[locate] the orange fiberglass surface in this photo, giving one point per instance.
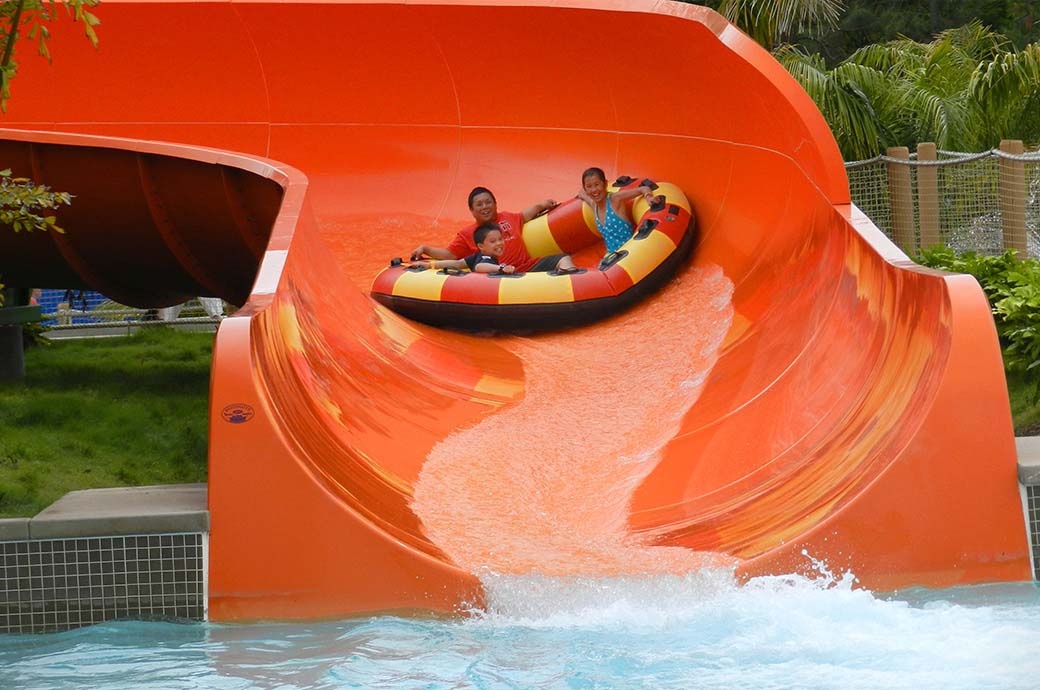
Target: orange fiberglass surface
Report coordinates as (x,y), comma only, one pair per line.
(799,392)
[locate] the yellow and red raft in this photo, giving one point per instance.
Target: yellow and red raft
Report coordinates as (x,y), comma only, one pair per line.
(663,237)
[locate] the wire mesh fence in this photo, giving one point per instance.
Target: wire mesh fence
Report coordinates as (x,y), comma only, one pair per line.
(78,309)
(985,202)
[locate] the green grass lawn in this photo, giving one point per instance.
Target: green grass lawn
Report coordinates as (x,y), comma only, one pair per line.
(127,411)
(1024,407)
(131,411)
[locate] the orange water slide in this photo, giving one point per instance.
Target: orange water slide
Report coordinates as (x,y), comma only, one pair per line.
(801,391)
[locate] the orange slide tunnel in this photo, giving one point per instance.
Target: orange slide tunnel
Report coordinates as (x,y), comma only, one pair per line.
(800,391)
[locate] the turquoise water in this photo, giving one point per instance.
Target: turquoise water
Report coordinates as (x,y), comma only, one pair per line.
(695,632)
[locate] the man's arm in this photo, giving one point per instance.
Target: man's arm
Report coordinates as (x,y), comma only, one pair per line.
(538,209)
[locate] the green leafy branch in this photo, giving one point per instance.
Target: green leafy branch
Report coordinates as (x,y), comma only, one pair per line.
(21,201)
(24,206)
(31,18)
(1012,286)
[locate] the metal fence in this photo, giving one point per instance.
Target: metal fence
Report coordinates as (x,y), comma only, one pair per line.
(76,310)
(985,202)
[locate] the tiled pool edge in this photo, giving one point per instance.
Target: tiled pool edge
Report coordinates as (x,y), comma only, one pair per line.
(1028,449)
(106,554)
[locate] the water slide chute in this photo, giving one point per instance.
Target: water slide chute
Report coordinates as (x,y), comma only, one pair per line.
(850,408)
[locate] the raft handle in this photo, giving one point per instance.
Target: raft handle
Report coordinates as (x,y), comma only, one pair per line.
(396,261)
(623,180)
(647,182)
(645,228)
(612,258)
(658,203)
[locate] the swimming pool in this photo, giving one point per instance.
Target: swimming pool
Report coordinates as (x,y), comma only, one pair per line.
(700,631)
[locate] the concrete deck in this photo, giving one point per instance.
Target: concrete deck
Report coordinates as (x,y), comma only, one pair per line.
(109,512)
(1028,448)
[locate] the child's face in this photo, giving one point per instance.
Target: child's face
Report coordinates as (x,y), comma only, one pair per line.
(493,244)
(595,188)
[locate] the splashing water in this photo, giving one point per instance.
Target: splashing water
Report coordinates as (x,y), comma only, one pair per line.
(545,486)
(684,632)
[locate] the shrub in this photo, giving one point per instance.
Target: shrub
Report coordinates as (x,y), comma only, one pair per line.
(1013,288)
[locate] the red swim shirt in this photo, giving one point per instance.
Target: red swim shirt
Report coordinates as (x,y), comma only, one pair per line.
(515,253)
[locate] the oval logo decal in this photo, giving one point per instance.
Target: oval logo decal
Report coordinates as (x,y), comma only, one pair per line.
(237,413)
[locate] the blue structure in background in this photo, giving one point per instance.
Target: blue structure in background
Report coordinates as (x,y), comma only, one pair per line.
(79,301)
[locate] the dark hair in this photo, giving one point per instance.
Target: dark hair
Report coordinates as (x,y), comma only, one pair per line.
(598,172)
(477,191)
(481,233)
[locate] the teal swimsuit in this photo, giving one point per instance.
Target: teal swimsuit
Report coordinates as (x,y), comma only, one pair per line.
(614,229)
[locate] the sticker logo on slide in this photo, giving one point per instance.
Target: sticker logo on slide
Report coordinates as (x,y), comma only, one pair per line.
(238,413)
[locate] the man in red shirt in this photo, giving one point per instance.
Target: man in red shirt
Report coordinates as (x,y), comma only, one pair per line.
(484,207)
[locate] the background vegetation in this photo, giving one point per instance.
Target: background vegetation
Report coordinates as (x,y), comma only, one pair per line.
(1012,286)
(24,205)
(129,411)
(963,75)
(30,20)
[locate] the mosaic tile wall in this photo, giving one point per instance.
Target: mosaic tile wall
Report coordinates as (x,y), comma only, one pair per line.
(1033,505)
(58,584)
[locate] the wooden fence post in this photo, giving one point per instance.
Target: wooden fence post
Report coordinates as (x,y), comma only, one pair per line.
(1013,198)
(901,199)
(928,196)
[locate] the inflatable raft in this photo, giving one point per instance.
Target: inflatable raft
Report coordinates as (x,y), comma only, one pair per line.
(663,237)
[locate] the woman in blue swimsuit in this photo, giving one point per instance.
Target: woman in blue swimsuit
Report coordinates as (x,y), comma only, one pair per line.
(613,219)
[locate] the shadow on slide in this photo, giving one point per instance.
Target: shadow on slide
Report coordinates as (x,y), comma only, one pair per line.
(799,391)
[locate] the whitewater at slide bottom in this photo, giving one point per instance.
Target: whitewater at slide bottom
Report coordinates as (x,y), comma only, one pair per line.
(800,392)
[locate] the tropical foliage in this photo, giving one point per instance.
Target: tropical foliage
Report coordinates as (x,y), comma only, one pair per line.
(960,73)
(1013,288)
(876,21)
(965,90)
(30,19)
(771,22)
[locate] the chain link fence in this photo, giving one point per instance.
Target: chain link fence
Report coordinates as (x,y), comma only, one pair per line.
(86,311)
(984,202)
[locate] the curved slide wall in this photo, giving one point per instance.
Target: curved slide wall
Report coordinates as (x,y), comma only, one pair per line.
(801,389)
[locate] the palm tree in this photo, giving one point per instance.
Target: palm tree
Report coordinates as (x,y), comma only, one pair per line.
(844,96)
(1007,89)
(964,90)
(770,22)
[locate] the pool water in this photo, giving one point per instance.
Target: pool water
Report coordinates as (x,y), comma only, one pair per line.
(700,631)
